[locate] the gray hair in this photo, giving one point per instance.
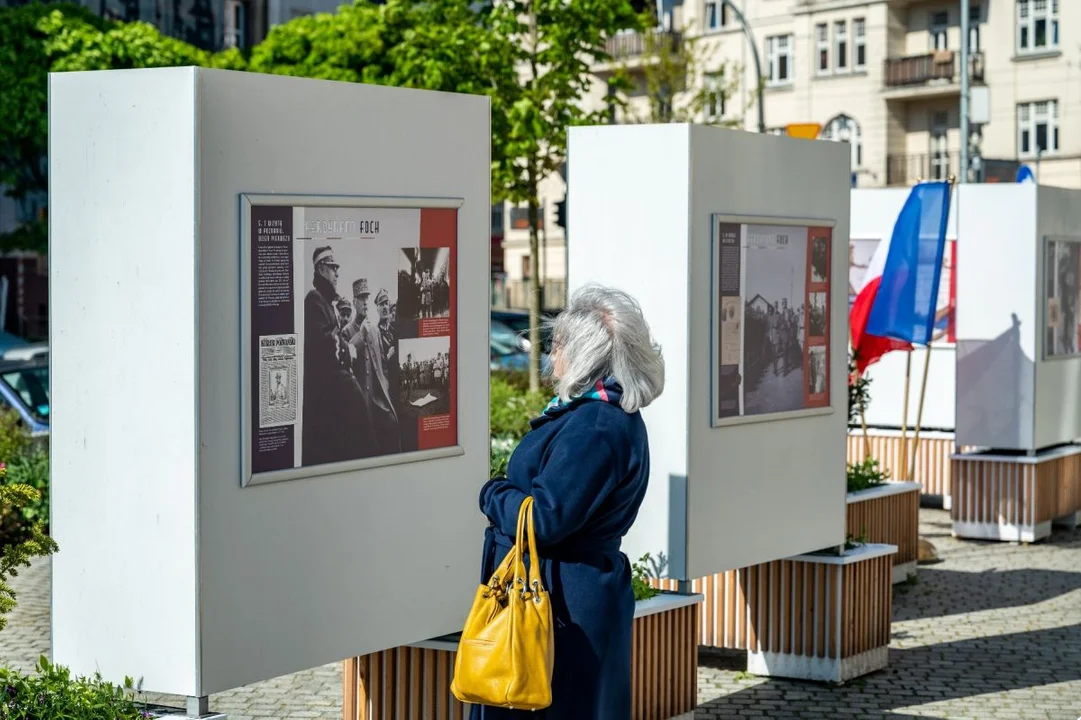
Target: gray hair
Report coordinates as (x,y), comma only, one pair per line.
(603,334)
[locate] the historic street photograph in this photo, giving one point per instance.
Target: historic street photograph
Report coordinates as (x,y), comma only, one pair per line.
(424,283)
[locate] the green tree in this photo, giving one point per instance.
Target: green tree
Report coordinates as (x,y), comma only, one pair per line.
(37,39)
(554,46)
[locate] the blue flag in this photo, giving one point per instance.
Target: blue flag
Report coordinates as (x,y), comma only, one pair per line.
(904,308)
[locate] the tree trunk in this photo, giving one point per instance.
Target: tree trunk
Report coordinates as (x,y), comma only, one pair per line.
(534,283)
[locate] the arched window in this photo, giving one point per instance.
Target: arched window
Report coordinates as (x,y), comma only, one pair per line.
(844,129)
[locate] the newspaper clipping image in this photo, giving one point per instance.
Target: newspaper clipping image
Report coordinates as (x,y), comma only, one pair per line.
(771,322)
(277,380)
(1063,286)
(330,373)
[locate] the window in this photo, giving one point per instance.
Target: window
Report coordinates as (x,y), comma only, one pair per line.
(844,129)
(1037,128)
(940,23)
(1037,25)
(235,24)
(519,217)
(779,59)
(822,49)
(840,45)
(714,97)
(974,16)
(940,156)
(716,15)
(527,267)
(859,44)
(497,219)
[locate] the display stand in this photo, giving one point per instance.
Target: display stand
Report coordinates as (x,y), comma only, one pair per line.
(1018,363)
(414,681)
(247,470)
(933,459)
(889,514)
(1016,498)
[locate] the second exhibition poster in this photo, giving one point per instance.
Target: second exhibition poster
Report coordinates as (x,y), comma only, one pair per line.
(771,318)
(353,332)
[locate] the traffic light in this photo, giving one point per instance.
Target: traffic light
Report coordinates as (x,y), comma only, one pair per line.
(561,214)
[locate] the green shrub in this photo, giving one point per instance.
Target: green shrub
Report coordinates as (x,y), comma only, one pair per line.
(865,475)
(859,394)
(640,580)
(511,408)
(52,692)
(32,469)
(14,437)
(19,542)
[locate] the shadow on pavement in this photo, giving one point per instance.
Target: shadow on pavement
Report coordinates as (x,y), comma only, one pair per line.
(941,592)
(922,676)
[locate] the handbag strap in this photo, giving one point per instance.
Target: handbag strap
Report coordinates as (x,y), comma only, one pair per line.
(524,512)
(535,583)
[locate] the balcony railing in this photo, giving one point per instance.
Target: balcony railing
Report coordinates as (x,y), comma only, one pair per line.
(939,66)
(627,45)
(910,169)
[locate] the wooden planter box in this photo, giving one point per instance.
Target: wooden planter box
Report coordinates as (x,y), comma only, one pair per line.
(1016,497)
(932,469)
(889,514)
(821,617)
(413,683)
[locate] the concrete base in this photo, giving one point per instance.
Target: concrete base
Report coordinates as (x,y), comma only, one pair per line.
(684,716)
(830,670)
(902,571)
(1070,522)
(1006,532)
(947,502)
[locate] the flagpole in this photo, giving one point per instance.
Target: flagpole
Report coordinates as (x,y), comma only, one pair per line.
(904,418)
(927,350)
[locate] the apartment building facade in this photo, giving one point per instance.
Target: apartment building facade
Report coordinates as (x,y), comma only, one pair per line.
(884,76)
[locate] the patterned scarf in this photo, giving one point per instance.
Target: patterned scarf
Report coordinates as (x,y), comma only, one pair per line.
(607,390)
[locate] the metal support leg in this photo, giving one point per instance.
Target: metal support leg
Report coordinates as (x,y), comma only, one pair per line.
(197,707)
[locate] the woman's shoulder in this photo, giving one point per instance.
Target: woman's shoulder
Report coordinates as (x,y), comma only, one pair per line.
(606,420)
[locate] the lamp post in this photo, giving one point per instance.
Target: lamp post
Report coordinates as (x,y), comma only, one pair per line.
(757,61)
(963,175)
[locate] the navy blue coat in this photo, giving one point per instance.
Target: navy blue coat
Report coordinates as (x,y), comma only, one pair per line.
(587,468)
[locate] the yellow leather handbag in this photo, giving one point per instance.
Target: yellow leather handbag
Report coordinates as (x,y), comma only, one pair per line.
(506,652)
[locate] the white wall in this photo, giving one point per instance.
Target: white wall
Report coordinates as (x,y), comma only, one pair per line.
(629,212)
(122,159)
(998,322)
(764,490)
(266,580)
(1058,381)
(646,214)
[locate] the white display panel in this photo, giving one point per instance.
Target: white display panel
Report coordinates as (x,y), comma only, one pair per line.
(735,495)
(1018,384)
(170,569)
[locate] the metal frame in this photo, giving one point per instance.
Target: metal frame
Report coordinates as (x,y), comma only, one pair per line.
(247,200)
(714,326)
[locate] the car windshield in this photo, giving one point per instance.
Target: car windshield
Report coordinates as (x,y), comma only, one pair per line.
(32,385)
(503,346)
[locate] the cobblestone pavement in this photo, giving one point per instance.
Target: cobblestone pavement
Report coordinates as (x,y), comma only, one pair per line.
(993,631)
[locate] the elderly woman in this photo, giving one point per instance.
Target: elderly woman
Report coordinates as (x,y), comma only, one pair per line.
(586,464)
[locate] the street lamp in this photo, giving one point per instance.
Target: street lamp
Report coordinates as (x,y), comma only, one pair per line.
(757,62)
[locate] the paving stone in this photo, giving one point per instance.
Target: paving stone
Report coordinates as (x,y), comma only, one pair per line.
(993,632)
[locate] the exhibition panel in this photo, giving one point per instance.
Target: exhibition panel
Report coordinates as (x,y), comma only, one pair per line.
(295,301)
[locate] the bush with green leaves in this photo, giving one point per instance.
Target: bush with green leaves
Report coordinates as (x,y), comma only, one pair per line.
(32,469)
(859,394)
(52,692)
(640,577)
(20,541)
(866,474)
(511,407)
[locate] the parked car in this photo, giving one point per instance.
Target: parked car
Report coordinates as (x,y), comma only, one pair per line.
(519,323)
(507,349)
(24,387)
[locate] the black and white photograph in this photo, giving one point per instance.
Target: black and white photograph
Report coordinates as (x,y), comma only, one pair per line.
(425,375)
(774,288)
(816,370)
(1063,323)
(350,351)
(820,259)
(817,315)
(424,283)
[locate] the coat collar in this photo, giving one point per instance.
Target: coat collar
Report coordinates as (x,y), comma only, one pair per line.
(606,391)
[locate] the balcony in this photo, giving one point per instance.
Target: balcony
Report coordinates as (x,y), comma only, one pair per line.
(909,169)
(906,170)
(934,73)
(632,50)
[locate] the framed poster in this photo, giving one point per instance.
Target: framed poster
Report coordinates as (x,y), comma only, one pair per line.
(1062,289)
(349,329)
(771,318)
